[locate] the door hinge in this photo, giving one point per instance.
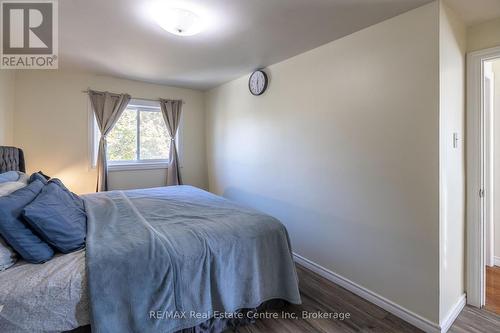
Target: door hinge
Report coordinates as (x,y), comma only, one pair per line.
(481,193)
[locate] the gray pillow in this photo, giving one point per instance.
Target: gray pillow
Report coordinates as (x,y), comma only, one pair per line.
(7,256)
(9,187)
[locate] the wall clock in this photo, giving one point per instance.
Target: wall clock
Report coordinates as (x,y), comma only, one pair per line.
(257,83)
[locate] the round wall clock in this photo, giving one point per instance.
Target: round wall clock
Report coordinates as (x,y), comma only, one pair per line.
(257,83)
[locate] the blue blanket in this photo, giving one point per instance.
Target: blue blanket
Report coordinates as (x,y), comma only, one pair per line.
(165,259)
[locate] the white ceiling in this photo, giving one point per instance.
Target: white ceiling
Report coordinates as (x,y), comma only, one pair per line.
(119,38)
(476,11)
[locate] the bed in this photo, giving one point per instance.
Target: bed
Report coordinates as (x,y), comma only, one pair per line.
(166,259)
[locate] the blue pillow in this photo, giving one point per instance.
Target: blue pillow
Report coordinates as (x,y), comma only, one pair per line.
(56,218)
(14,230)
(38,176)
(76,199)
(9,176)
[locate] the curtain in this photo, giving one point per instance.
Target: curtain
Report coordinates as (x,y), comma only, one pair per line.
(171,110)
(107,108)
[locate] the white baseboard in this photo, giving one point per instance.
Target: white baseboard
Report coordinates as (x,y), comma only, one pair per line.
(496,261)
(396,309)
(453,314)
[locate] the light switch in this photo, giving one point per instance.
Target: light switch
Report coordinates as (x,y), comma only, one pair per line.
(455,140)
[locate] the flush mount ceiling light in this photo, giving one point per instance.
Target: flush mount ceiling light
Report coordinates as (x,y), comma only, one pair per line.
(178,21)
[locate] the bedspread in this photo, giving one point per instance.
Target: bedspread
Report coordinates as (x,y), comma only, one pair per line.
(164,259)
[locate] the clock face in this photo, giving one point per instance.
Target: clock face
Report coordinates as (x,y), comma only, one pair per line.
(257,83)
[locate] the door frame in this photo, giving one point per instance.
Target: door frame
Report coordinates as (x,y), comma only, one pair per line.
(489,172)
(478,188)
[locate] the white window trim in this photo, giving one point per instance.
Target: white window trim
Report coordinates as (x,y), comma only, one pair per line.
(138,104)
(138,165)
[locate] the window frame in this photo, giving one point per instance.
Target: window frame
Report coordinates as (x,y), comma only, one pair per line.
(138,105)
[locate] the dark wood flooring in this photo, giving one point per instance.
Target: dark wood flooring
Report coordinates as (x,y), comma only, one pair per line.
(319,294)
(474,320)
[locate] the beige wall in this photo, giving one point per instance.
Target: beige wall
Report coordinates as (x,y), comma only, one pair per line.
(343,149)
(52,126)
(7,83)
(452,47)
(484,35)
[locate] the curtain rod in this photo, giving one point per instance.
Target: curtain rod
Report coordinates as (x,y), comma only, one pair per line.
(141,99)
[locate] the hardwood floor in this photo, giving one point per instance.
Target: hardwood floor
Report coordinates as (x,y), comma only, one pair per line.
(319,294)
(493,289)
(474,320)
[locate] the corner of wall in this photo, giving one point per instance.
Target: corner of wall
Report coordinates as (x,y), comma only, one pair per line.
(14,105)
(7,106)
(483,35)
(452,48)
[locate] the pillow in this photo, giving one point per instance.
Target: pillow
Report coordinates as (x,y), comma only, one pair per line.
(7,256)
(14,230)
(9,187)
(9,176)
(56,218)
(23,178)
(76,199)
(12,176)
(38,176)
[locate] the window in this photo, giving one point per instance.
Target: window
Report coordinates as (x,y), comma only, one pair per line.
(139,139)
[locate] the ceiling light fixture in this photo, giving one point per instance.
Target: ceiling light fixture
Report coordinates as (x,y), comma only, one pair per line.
(178,21)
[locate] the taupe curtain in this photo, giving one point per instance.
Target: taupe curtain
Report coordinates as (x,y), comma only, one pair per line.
(171,110)
(107,108)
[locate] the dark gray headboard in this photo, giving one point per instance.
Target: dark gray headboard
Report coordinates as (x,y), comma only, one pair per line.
(11,159)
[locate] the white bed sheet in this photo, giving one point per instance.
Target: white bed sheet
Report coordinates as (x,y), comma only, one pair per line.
(49,297)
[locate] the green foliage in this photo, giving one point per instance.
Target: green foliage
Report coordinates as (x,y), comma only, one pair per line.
(154,140)
(123,137)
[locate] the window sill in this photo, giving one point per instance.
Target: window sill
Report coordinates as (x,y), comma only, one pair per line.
(138,166)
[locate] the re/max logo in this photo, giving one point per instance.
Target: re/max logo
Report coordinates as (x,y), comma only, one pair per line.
(167,314)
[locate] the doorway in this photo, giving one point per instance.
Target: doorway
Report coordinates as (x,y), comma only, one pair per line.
(491,102)
(483,179)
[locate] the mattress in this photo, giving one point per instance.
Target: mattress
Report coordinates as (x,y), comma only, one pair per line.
(49,297)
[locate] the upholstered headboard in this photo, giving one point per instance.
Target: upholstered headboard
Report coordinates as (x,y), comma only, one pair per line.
(11,159)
